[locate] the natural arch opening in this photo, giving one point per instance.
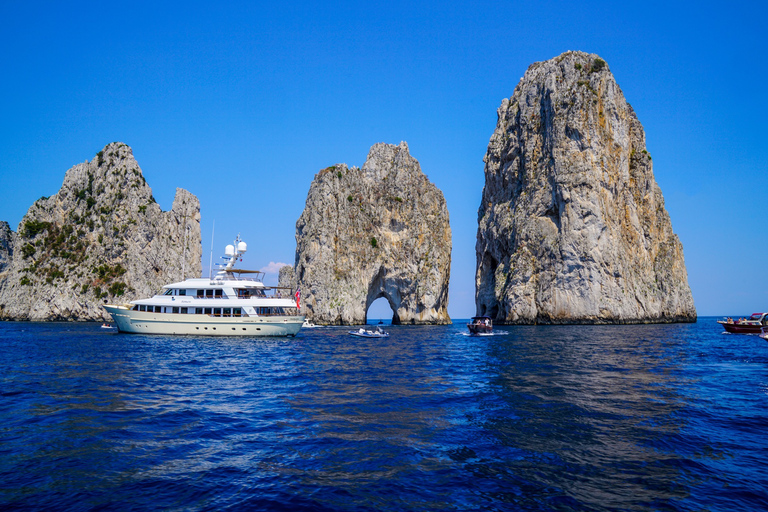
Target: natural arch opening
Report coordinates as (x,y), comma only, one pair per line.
(380,310)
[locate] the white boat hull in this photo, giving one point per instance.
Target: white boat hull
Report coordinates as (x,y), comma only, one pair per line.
(142,322)
(362,333)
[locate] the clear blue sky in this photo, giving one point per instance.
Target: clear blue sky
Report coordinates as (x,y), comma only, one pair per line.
(243,103)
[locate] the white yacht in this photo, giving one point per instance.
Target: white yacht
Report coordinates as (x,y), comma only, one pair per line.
(226,304)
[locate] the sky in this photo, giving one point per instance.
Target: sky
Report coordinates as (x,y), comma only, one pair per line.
(242,103)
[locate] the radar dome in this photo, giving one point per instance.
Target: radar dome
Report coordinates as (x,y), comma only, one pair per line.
(242,247)
(229,250)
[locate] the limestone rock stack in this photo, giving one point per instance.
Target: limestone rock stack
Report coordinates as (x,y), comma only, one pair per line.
(286,277)
(7,239)
(379,231)
(572,226)
(102,237)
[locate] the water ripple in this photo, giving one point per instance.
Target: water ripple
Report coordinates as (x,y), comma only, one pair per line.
(599,418)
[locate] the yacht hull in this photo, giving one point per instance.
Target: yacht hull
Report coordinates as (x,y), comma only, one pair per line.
(142,322)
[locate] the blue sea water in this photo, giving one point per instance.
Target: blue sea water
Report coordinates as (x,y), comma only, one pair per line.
(598,418)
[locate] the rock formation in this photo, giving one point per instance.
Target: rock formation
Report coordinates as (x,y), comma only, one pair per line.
(286,277)
(102,237)
(7,239)
(379,231)
(572,226)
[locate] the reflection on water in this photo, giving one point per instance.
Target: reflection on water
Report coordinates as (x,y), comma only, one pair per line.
(534,418)
(588,407)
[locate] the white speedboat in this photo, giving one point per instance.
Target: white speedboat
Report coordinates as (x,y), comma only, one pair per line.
(367,333)
(226,304)
(308,324)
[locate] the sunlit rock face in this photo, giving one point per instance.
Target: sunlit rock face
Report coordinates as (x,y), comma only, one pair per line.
(7,239)
(101,238)
(377,231)
(572,226)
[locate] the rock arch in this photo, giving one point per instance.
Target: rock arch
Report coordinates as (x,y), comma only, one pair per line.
(377,231)
(381,287)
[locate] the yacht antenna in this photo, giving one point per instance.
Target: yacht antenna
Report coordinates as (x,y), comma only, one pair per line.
(210,264)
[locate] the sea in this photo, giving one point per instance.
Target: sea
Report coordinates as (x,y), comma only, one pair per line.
(531,418)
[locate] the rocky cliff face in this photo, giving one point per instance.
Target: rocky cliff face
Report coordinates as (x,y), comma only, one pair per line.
(286,277)
(572,225)
(102,237)
(379,231)
(7,239)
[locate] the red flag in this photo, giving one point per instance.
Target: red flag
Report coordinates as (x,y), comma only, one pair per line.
(298,296)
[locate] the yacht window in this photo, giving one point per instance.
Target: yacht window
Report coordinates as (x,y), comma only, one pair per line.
(168,292)
(158,309)
(209,293)
(227,311)
(208,311)
(216,311)
(175,309)
(142,308)
(237,312)
(219,293)
(200,294)
(198,311)
(182,292)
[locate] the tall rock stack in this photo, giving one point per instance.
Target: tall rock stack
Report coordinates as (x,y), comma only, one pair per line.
(572,226)
(102,237)
(7,239)
(379,231)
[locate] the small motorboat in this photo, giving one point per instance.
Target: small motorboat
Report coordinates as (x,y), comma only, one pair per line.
(308,324)
(755,324)
(367,333)
(480,325)
(106,326)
